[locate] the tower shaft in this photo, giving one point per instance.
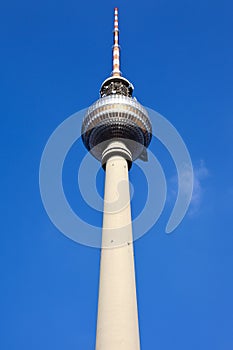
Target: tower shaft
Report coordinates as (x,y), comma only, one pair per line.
(117,324)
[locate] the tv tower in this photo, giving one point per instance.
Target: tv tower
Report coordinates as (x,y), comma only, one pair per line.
(117,130)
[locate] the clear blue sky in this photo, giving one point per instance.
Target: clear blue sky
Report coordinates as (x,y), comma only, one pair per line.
(54,56)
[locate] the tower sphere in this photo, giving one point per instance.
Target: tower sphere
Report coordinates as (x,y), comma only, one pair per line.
(116,116)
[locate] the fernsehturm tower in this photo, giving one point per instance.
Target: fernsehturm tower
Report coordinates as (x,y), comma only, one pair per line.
(117,130)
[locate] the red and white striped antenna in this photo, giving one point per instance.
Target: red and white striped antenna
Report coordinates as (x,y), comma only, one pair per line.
(116,48)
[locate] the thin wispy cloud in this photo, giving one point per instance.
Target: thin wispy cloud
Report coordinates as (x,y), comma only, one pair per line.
(200,174)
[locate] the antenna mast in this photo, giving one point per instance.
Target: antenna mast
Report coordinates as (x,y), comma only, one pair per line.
(116,48)
(116,84)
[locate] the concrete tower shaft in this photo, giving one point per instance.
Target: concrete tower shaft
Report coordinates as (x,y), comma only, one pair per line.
(117,323)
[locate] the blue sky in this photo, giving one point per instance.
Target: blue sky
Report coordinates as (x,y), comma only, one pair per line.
(55,55)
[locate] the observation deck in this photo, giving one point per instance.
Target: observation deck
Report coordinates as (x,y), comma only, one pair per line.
(116,117)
